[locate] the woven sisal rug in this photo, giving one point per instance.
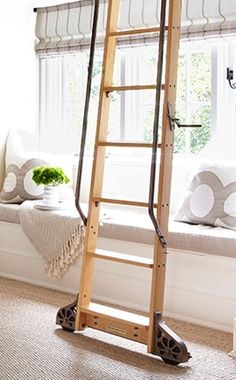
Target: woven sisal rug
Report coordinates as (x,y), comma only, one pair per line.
(32,347)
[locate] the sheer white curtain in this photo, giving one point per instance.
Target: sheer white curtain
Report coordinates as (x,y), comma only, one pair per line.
(62,86)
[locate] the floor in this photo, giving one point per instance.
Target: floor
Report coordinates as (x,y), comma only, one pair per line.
(33,347)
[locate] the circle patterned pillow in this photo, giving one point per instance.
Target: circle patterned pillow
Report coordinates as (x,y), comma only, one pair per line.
(18,184)
(210,198)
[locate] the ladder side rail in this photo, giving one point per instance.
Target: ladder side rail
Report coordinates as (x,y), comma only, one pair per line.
(156,126)
(160,253)
(86,110)
(98,165)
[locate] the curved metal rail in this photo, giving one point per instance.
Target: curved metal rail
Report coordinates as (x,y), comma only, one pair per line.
(86,110)
(156,127)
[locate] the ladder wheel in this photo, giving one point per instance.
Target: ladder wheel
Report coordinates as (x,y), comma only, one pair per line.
(171,362)
(66,317)
(168,345)
(67,329)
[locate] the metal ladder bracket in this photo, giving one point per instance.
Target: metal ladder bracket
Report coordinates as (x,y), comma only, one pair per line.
(169,346)
(66,317)
(175,121)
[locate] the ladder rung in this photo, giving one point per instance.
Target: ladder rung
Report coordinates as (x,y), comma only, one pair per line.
(132,87)
(121,202)
(129,32)
(115,314)
(123,258)
(126,144)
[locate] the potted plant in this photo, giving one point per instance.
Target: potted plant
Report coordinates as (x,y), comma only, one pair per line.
(50,177)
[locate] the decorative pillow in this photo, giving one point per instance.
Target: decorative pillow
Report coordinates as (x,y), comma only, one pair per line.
(210,197)
(18,185)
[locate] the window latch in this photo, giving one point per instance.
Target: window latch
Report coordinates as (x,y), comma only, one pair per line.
(230,78)
(175,121)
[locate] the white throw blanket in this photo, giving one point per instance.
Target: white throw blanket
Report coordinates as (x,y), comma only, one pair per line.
(57,236)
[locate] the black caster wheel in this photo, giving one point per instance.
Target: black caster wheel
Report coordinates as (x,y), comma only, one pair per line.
(66,317)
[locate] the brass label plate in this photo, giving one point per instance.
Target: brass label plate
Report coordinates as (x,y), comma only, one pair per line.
(116,330)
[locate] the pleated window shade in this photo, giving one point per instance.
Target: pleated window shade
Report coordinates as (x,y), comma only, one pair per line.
(67,27)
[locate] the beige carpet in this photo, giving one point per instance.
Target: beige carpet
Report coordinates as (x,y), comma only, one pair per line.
(33,347)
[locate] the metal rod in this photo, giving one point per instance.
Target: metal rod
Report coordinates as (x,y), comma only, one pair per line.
(189,125)
(86,110)
(175,121)
(156,126)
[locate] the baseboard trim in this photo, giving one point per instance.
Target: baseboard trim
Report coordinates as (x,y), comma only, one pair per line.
(166,314)
(199,288)
(42,284)
(126,305)
(199,322)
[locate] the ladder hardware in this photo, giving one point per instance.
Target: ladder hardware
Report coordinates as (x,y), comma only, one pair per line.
(175,121)
(152,182)
(169,346)
(86,111)
(66,317)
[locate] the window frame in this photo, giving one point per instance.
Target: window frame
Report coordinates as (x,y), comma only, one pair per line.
(222,53)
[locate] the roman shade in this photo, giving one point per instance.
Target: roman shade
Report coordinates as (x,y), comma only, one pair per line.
(67,27)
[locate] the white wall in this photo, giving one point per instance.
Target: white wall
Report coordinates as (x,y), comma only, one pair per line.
(18,70)
(18,66)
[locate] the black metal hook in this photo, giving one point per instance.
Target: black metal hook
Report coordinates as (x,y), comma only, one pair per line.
(175,121)
(230,77)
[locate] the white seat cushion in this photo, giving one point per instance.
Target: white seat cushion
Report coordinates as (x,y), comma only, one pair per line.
(201,238)
(9,213)
(137,227)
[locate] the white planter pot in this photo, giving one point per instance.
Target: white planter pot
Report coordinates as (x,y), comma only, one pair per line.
(50,196)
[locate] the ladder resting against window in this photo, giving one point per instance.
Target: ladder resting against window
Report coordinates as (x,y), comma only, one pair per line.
(149,330)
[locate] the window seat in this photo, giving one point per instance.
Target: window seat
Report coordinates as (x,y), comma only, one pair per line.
(199,287)
(136,227)
(9,213)
(201,265)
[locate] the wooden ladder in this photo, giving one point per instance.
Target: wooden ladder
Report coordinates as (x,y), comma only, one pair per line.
(147,329)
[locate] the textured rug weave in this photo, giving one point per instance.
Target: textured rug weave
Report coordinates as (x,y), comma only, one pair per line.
(32,347)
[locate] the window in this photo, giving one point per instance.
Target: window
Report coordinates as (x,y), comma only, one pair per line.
(195,104)
(203,97)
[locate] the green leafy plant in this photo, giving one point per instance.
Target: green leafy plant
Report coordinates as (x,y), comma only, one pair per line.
(49,176)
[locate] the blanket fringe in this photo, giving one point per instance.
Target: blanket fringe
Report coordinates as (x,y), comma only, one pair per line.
(70,251)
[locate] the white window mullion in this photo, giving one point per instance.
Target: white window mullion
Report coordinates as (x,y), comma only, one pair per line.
(233,52)
(132,104)
(122,97)
(188,100)
(214,87)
